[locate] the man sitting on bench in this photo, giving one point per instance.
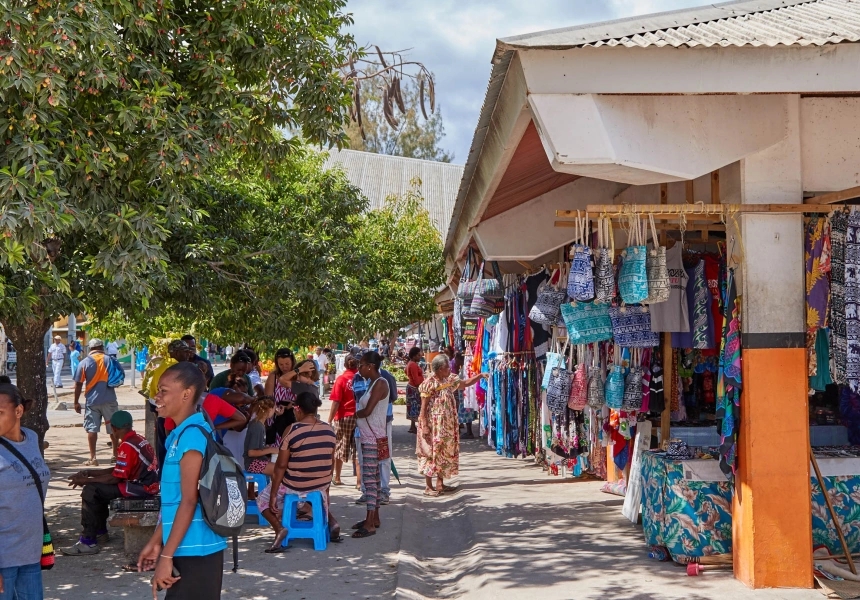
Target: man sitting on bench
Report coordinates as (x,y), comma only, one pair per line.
(134,476)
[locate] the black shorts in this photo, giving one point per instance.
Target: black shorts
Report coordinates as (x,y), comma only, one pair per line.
(200,577)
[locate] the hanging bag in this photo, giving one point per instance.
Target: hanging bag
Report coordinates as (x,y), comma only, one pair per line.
(587,322)
(658,273)
(558,389)
(553,359)
(633,385)
(579,384)
(596,398)
(46,562)
(631,326)
(466,289)
(489,296)
(550,297)
(604,272)
(633,279)
(614,388)
(580,283)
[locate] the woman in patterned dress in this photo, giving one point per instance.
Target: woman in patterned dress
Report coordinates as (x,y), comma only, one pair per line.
(438,445)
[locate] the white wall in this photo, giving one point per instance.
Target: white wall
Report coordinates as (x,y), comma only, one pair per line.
(830,149)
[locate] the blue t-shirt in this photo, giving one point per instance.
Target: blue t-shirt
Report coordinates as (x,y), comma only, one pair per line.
(199,540)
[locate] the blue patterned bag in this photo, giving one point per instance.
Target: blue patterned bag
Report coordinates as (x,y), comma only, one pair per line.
(614,387)
(580,283)
(633,279)
(587,322)
(631,327)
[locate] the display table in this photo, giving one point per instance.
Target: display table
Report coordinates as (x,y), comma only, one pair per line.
(687,505)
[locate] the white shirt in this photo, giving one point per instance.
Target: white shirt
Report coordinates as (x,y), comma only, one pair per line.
(57,351)
(112,348)
(373,426)
(322,361)
(228,350)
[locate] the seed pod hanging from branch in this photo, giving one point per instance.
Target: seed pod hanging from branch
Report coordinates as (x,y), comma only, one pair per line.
(398,95)
(421,96)
(381,58)
(387,109)
(432,92)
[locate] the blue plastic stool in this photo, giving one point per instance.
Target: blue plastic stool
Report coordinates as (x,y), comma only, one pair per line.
(316,530)
(260,481)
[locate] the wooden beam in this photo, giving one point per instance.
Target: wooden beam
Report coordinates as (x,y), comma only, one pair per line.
(715,187)
(832,197)
(689,193)
(695,210)
(659,226)
(664,193)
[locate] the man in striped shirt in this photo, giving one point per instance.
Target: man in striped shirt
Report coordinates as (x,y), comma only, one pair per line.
(305,464)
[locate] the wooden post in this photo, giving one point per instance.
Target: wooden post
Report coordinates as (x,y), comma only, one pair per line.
(690,194)
(665,417)
(664,199)
(715,187)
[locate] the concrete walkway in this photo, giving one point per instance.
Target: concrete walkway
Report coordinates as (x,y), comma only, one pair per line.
(510,532)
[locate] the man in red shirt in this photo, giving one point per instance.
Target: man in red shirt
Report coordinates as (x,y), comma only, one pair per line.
(135,475)
(342,417)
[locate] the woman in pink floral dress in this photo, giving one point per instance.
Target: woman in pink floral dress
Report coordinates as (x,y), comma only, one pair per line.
(438,444)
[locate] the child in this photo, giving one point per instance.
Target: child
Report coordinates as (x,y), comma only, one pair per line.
(257,453)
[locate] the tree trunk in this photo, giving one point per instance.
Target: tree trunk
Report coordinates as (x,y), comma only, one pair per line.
(28,339)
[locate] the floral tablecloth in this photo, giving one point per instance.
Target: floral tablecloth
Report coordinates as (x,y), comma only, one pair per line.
(689,518)
(694,518)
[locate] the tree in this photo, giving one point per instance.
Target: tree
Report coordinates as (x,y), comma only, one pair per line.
(410,134)
(111,112)
(398,271)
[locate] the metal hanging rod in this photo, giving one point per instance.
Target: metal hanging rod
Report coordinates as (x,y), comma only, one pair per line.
(619,210)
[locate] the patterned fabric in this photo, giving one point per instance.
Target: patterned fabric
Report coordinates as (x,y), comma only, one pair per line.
(558,390)
(344,431)
(852,301)
(587,322)
(614,388)
(370,479)
(631,326)
(578,389)
(580,284)
(464,415)
(817,255)
(838,337)
(604,275)
(258,465)
(844,491)
(658,275)
(596,397)
(689,518)
(633,280)
(438,444)
(729,380)
(702,335)
(413,402)
(633,389)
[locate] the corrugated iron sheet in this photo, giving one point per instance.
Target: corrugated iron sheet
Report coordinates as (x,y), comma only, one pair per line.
(379,176)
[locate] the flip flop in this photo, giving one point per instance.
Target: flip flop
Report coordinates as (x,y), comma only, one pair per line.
(336,540)
(275,550)
(363,533)
(432,493)
(360,524)
(337,483)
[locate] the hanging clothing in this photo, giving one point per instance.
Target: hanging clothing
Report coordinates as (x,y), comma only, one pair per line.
(729,381)
(852,301)
(821,378)
(657,398)
(818,264)
(673,315)
(838,337)
(702,319)
(684,338)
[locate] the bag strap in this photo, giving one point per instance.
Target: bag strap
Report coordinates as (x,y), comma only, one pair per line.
(653,231)
(498,273)
(36,479)
(480,274)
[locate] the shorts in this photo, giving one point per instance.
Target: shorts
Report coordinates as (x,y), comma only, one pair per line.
(258,465)
(264,497)
(93,416)
(344,431)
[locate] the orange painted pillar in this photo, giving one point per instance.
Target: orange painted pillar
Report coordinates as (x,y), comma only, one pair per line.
(771,513)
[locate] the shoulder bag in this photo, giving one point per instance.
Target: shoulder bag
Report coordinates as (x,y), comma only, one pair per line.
(489,295)
(633,386)
(633,279)
(580,283)
(466,289)
(579,383)
(558,389)
(547,307)
(47,560)
(658,273)
(614,388)
(587,322)
(596,398)
(631,326)
(604,277)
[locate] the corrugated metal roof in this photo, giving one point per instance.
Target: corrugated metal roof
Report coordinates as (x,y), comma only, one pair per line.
(379,176)
(743,23)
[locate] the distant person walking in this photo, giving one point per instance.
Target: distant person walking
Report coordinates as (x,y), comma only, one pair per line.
(57,354)
(100,400)
(74,358)
(183,543)
(112,349)
(21,528)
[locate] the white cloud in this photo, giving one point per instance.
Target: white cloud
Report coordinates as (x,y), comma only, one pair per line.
(455,39)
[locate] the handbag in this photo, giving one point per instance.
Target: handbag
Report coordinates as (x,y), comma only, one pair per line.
(631,327)
(558,389)
(658,273)
(677,450)
(633,279)
(466,289)
(604,272)
(553,359)
(633,387)
(614,388)
(580,282)
(587,322)
(47,559)
(578,399)
(596,397)
(549,300)
(488,298)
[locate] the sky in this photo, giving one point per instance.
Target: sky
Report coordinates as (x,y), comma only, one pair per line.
(455,39)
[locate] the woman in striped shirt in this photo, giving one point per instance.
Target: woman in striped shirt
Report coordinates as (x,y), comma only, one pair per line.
(305,464)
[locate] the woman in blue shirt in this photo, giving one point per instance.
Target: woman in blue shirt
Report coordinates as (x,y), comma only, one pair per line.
(74,358)
(187,555)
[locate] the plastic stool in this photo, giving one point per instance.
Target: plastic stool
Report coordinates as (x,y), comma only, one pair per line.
(260,481)
(316,530)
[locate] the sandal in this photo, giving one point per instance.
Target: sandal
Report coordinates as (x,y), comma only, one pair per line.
(360,524)
(363,533)
(277,545)
(275,550)
(447,489)
(432,493)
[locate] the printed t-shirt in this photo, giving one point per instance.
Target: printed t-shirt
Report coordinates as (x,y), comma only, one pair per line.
(199,539)
(673,314)
(94,374)
(137,466)
(414,373)
(218,409)
(311,462)
(342,392)
(20,519)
